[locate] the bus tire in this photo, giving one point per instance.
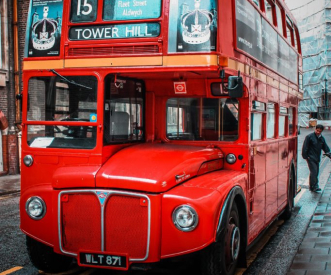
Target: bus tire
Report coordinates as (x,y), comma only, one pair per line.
(286,215)
(222,256)
(44,258)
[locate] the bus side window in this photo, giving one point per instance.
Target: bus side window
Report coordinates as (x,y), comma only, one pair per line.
(289,31)
(291,120)
(258,108)
(271,120)
(269,11)
(282,122)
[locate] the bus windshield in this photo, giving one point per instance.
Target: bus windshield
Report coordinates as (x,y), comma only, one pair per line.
(202,119)
(62,99)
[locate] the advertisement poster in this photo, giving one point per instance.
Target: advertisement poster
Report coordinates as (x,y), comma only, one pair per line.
(44,28)
(192,26)
(256,37)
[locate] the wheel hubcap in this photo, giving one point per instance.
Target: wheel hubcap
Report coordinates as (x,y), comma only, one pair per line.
(232,243)
(235,243)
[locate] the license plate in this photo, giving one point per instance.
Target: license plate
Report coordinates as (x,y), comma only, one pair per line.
(103,260)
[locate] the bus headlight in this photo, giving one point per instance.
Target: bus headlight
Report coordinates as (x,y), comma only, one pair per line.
(35,207)
(231,158)
(185,218)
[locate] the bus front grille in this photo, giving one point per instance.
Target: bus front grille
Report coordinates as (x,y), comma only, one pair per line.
(104,221)
(113,50)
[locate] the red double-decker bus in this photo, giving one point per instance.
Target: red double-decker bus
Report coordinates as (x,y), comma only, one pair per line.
(154,129)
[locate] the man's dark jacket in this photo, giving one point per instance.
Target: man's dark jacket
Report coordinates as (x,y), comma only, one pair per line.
(313,146)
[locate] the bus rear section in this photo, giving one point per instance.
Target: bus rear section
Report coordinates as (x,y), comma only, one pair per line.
(146,136)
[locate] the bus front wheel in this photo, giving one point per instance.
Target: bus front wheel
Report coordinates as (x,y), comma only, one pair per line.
(44,258)
(222,257)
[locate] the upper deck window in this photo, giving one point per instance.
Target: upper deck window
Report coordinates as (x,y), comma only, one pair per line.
(256,2)
(202,119)
(289,31)
(114,10)
(279,18)
(269,12)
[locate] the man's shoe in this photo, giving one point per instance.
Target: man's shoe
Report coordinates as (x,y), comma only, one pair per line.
(316,190)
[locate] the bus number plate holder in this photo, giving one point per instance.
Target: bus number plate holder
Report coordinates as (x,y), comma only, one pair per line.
(103,260)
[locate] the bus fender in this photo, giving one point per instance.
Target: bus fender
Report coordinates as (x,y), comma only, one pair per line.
(236,195)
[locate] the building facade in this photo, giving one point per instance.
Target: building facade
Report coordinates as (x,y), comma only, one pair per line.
(12,39)
(314,22)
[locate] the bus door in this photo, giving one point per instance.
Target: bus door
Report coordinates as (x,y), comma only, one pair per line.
(123,110)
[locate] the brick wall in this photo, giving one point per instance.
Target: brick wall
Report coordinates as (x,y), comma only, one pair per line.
(23,9)
(7,94)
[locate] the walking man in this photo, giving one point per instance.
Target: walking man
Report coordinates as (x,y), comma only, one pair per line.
(311,151)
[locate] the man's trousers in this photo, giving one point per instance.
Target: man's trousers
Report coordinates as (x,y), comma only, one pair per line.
(313,177)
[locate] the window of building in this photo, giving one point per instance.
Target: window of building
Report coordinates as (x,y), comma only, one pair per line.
(270,120)
(0,41)
(300,81)
(279,18)
(4,58)
(258,108)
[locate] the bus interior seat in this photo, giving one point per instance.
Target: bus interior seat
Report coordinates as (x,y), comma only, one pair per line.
(119,125)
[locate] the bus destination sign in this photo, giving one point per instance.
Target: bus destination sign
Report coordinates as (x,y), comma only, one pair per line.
(131,9)
(115,10)
(114,31)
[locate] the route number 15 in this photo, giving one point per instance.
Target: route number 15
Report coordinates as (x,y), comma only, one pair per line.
(85,4)
(84,10)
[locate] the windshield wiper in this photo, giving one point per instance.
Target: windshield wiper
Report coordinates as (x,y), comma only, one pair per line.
(69,81)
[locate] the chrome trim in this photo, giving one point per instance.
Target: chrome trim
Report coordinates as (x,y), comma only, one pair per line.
(109,194)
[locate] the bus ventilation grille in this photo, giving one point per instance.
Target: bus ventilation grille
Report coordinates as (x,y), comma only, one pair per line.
(113,50)
(125,224)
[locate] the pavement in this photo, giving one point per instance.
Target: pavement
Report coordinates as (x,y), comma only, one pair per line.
(10,184)
(314,253)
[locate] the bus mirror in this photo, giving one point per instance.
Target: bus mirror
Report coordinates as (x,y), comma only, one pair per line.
(235,86)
